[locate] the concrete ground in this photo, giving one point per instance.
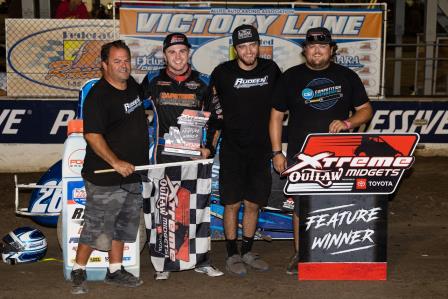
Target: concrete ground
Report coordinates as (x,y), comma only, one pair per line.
(417,256)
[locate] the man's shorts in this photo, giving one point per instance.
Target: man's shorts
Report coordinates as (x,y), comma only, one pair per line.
(111,213)
(244,175)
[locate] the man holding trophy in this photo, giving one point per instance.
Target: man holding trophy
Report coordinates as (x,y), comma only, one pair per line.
(177,94)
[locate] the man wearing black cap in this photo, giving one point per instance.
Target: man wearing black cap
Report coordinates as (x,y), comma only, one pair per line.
(319,95)
(240,107)
(171,90)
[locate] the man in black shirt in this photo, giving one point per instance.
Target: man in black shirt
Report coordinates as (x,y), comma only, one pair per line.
(319,95)
(171,90)
(240,107)
(116,133)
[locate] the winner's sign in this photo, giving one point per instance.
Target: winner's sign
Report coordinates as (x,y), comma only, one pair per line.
(350,163)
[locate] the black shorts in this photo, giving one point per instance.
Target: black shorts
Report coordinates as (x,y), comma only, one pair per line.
(244,175)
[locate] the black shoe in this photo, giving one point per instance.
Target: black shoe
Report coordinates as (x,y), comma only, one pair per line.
(122,278)
(79,284)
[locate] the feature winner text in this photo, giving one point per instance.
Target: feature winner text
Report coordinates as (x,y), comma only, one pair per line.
(345,235)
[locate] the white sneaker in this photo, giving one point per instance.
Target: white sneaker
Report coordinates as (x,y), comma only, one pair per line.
(209,270)
(161,275)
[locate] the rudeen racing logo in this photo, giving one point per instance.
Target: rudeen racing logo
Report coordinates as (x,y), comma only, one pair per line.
(247,83)
(350,163)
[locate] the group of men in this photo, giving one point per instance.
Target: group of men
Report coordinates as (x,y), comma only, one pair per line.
(247,98)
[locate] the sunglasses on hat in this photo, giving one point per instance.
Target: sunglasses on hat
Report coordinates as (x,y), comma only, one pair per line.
(317,38)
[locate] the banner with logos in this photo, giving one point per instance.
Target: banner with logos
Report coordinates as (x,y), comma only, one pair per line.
(350,163)
(53,57)
(358,33)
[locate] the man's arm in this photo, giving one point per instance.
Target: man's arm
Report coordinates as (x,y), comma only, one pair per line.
(100,147)
(215,122)
(275,133)
(362,115)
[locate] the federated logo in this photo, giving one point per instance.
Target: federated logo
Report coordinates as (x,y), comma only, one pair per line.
(350,163)
(172,221)
(81,60)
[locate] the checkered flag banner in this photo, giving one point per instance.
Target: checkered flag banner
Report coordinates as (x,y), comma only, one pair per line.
(177,214)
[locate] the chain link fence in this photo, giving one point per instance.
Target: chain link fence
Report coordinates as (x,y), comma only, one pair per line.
(53,58)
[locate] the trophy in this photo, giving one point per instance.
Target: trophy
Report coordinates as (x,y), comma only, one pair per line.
(187,139)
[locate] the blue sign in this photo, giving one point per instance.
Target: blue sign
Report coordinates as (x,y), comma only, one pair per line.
(34,121)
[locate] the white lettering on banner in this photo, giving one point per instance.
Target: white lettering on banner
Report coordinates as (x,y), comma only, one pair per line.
(201,21)
(335,23)
(310,22)
(221,24)
(407,121)
(347,25)
(64,116)
(11,120)
(177,23)
(227,22)
(355,239)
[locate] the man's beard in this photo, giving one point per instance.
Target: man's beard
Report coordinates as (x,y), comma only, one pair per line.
(319,65)
(247,62)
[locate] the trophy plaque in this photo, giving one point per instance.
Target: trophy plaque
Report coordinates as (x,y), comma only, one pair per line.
(186,139)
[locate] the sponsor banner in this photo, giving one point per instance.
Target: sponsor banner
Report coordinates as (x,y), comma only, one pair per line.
(34,121)
(350,163)
(427,118)
(344,233)
(53,57)
(357,32)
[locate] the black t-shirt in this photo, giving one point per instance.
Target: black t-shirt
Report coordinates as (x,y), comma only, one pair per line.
(171,97)
(316,98)
(244,102)
(119,116)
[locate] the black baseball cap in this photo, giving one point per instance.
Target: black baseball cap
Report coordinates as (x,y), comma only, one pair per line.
(245,33)
(318,35)
(175,39)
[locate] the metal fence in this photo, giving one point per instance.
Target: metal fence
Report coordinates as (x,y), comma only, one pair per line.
(410,77)
(53,58)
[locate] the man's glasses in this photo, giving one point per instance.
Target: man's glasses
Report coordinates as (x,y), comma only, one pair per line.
(317,38)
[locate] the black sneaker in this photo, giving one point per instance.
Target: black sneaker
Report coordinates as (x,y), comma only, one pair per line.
(122,278)
(79,284)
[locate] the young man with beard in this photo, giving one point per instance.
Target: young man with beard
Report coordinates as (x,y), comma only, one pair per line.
(171,90)
(301,91)
(115,129)
(240,107)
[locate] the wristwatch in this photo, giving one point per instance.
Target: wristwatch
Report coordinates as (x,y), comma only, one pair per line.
(275,153)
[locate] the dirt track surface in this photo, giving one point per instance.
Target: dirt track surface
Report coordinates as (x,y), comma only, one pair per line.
(417,256)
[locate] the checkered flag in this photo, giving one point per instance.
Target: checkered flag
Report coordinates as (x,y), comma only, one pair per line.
(177,214)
